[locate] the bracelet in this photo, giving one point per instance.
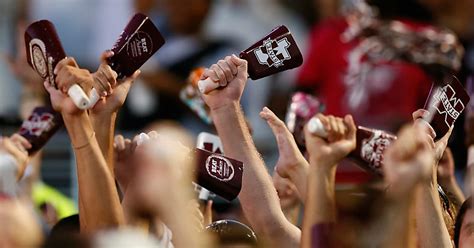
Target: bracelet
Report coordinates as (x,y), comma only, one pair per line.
(86,144)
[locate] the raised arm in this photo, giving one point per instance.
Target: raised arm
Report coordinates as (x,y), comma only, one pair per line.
(258,196)
(324,155)
(407,164)
(104,113)
(431,228)
(291,163)
(99,203)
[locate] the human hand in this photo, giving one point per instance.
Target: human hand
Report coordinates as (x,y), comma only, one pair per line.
(61,102)
(438,146)
(68,73)
(290,157)
(231,74)
(408,161)
(104,79)
(123,161)
(340,141)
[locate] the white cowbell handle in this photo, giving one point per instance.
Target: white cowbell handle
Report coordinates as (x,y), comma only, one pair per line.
(207,85)
(315,126)
(80,98)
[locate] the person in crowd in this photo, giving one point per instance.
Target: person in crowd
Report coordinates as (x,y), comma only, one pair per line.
(463,234)
(347,78)
(270,225)
(137,190)
(156,97)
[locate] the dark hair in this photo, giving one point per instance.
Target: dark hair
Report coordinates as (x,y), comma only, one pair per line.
(409,9)
(459,219)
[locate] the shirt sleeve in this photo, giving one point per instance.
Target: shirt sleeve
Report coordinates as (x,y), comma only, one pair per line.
(321,235)
(313,67)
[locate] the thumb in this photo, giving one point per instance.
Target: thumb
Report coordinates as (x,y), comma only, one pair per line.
(105,55)
(272,120)
(49,88)
(240,63)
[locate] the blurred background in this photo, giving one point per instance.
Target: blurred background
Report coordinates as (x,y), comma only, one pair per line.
(200,32)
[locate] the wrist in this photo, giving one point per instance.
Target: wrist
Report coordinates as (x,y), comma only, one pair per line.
(298,169)
(103,115)
(71,117)
(79,128)
(318,168)
(319,163)
(225,107)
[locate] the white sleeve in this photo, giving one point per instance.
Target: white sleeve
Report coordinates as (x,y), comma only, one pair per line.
(8,170)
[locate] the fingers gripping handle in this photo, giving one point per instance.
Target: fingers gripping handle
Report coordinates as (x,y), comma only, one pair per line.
(316,127)
(80,98)
(207,85)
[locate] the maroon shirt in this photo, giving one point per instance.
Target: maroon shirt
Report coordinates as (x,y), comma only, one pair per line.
(379,95)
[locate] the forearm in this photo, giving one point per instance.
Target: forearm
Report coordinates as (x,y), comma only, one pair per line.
(104,127)
(397,221)
(98,195)
(431,229)
(320,205)
(258,196)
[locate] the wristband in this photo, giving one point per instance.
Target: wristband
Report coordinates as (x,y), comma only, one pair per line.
(88,142)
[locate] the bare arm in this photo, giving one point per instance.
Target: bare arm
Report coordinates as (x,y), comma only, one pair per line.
(431,228)
(258,196)
(325,154)
(99,206)
(407,164)
(291,163)
(104,113)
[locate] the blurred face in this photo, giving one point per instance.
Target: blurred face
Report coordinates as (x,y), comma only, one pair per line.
(186,16)
(466,236)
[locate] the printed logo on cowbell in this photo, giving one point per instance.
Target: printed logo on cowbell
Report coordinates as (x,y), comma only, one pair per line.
(273,53)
